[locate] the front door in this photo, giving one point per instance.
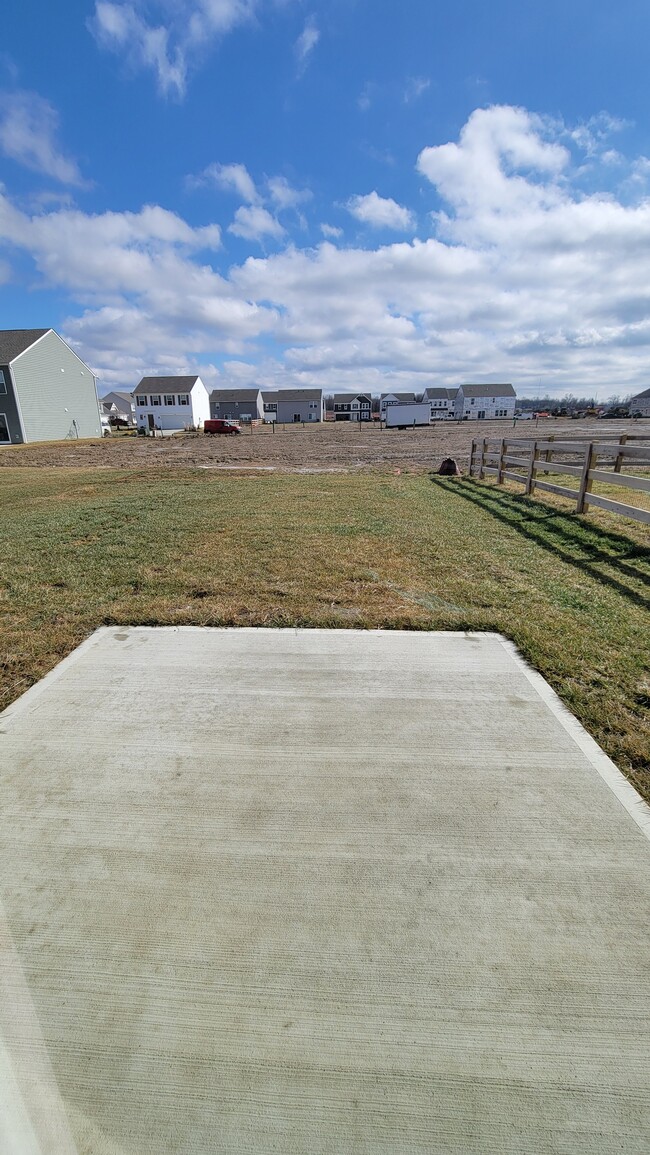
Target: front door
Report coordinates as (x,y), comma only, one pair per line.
(150,421)
(296,417)
(481,414)
(4,429)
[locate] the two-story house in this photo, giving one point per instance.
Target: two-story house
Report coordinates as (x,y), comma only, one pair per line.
(170,403)
(47,393)
(441,401)
(484,402)
(290,406)
(352,407)
(243,405)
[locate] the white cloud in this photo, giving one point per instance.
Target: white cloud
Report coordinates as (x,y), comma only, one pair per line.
(184,30)
(284,196)
(306,42)
(253,223)
(415,86)
(331,231)
(28,131)
(526,277)
(231,177)
(380,212)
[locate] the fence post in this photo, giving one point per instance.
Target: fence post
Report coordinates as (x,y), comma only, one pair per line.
(619,457)
(585,483)
(500,466)
(481,473)
(530,479)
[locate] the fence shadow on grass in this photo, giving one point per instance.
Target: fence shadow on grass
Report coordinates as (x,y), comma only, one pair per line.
(605,555)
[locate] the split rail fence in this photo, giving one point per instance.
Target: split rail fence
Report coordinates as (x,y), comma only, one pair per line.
(589,461)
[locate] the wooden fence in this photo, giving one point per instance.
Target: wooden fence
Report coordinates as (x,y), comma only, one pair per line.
(588,461)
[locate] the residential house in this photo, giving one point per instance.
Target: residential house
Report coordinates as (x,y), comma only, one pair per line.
(386,399)
(170,403)
(441,402)
(484,402)
(290,406)
(118,404)
(352,407)
(243,405)
(640,404)
(47,393)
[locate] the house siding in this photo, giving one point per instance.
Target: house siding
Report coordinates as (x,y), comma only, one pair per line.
(56,392)
(9,409)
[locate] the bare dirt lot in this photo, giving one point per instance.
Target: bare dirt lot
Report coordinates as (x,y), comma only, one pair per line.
(329,446)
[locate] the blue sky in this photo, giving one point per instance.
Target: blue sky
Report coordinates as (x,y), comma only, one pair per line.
(351,193)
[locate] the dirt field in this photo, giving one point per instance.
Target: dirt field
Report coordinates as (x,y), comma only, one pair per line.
(323,447)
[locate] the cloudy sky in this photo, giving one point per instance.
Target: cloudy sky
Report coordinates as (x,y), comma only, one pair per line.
(347,193)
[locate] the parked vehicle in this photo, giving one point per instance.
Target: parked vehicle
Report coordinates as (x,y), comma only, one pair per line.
(118,422)
(220,425)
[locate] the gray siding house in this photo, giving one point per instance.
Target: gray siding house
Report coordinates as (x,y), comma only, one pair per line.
(119,403)
(288,406)
(46,391)
(237,404)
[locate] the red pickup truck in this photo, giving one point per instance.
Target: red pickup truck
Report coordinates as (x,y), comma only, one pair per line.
(220,425)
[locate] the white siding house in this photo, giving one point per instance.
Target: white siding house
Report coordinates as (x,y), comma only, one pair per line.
(484,402)
(441,402)
(641,404)
(171,403)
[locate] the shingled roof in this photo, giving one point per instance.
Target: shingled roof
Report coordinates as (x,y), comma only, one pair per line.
(166,384)
(235,395)
(488,391)
(13,342)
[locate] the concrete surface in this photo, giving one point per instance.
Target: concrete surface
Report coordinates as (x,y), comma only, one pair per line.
(317,892)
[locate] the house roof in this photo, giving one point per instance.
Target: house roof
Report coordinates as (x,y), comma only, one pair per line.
(399,396)
(432,394)
(162,383)
(234,395)
(121,393)
(641,396)
(13,342)
(292,395)
(488,391)
(346,398)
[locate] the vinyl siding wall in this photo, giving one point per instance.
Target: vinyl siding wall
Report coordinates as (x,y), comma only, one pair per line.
(56,392)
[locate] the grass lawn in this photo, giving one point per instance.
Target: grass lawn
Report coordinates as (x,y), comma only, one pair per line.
(86,548)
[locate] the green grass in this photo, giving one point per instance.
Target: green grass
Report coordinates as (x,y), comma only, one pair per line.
(85,548)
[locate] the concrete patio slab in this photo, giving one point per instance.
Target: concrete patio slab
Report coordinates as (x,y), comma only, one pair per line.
(313,891)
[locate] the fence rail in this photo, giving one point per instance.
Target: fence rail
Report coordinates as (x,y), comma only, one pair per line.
(523,460)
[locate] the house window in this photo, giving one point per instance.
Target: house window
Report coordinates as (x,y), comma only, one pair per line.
(169,399)
(271,407)
(141,400)
(4,429)
(313,404)
(3,383)
(472,401)
(184,399)
(154,399)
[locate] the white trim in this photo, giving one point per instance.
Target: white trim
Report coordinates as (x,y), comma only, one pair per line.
(41,338)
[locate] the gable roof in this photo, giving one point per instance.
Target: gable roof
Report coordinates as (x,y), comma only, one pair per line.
(348,398)
(234,395)
(13,342)
(640,396)
(398,396)
(293,394)
(185,384)
(488,391)
(434,393)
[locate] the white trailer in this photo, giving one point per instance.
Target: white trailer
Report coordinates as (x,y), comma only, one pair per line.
(407,414)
